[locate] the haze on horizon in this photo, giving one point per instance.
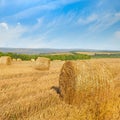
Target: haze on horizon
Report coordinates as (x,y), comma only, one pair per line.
(85,24)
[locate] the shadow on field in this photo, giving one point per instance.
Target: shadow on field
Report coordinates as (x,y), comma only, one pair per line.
(56,89)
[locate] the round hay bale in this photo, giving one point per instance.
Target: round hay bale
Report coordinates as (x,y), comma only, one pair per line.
(57,60)
(56,65)
(42,63)
(32,60)
(19,60)
(14,60)
(5,60)
(85,81)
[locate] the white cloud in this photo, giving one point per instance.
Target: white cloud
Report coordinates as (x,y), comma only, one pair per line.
(114,40)
(104,21)
(24,37)
(88,19)
(32,10)
(100,3)
(117,35)
(17,2)
(117,14)
(41,2)
(41,6)
(3,26)
(13,34)
(68,1)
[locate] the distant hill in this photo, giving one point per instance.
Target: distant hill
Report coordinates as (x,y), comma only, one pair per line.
(47,50)
(33,51)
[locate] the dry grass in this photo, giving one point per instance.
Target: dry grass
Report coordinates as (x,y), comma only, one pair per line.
(28,94)
(93,53)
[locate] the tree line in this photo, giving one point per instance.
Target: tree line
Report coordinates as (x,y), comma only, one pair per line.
(51,57)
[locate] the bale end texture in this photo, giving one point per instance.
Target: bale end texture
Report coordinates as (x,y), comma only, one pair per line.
(85,81)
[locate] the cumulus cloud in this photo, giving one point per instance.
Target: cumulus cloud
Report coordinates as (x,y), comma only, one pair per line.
(3,26)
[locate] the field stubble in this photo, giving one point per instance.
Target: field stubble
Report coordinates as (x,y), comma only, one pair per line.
(29,94)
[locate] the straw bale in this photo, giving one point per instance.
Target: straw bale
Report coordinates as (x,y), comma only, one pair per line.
(57,60)
(19,59)
(32,60)
(42,63)
(5,60)
(14,60)
(85,80)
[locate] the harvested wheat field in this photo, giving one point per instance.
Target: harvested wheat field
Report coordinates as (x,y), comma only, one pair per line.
(30,94)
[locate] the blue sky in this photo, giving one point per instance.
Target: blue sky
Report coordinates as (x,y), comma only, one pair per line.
(86,24)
